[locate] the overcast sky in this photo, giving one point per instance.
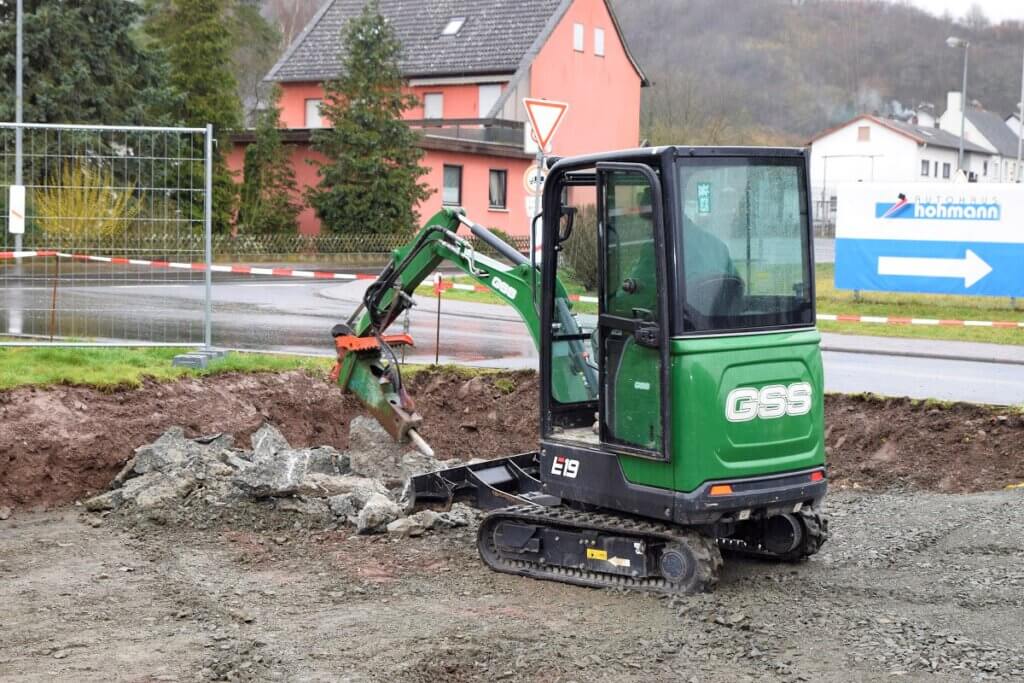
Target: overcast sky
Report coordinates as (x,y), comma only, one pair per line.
(996,10)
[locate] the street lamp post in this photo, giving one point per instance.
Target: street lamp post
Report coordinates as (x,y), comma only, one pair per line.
(955,42)
(1020,126)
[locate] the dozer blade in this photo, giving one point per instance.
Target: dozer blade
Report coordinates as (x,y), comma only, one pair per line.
(487,485)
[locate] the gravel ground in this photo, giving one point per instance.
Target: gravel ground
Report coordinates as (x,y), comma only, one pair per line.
(919,586)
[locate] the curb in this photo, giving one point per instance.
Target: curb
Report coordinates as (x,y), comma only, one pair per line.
(921,354)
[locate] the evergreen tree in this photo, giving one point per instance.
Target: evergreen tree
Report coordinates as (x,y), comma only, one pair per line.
(371,181)
(197,38)
(82,64)
(268,192)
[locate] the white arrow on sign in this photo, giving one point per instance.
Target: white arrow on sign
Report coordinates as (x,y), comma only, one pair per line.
(618,561)
(971,267)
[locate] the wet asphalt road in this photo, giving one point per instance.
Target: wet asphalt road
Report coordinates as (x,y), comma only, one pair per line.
(289,315)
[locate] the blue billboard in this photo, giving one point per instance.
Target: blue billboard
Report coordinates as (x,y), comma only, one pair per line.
(931,238)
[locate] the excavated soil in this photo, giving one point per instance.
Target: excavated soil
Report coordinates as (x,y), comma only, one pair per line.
(63,443)
(913,585)
(60,444)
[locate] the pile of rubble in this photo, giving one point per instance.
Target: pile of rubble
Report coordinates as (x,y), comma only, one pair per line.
(362,487)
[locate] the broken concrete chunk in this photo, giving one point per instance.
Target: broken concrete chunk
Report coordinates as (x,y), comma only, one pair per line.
(343,507)
(428,519)
(303,505)
(162,488)
(406,526)
(168,453)
(111,500)
(414,462)
(460,514)
(267,441)
(286,473)
(373,453)
(326,485)
(375,516)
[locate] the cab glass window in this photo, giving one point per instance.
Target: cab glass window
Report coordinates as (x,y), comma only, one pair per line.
(744,244)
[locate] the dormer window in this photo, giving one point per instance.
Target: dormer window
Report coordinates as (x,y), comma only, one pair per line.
(453,26)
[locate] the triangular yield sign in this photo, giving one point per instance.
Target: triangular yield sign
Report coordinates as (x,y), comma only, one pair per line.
(545,115)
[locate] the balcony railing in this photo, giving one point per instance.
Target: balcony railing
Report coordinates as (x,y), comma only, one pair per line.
(493,131)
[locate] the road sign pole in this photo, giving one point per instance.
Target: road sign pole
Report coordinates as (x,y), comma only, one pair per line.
(544,116)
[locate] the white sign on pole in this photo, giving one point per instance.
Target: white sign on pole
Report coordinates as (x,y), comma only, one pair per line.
(16,216)
(545,117)
(533,180)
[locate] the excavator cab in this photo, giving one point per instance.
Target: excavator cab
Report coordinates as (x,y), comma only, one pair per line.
(703,343)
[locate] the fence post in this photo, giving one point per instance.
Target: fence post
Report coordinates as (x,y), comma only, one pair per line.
(208,231)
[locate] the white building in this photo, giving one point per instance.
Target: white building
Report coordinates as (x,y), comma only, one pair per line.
(988,130)
(872,148)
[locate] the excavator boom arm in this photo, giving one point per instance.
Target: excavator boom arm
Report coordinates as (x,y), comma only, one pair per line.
(367,366)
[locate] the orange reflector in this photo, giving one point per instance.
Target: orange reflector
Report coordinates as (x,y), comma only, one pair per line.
(721,490)
(817,476)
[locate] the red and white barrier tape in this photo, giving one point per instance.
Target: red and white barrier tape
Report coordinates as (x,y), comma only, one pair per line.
(894,320)
(233,268)
(447,284)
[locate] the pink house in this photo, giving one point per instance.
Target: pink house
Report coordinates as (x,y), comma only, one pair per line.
(470,63)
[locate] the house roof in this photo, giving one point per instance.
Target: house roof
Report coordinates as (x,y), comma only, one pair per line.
(495,39)
(993,128)
(922,135)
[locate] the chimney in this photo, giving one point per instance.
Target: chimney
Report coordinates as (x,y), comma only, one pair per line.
(953,100)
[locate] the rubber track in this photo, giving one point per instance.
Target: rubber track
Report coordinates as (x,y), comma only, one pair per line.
(815,528)
(641,529)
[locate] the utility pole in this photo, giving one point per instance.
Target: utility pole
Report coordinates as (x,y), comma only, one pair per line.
(960,43)
(1020,123)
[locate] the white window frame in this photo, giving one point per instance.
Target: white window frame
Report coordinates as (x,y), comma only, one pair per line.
(599,42)
(578,37)
(504,190)
(488,95)
(446,201)
(925,167)
(314,120)
(437,98)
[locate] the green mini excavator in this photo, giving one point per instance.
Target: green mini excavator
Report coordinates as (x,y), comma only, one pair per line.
(685,418)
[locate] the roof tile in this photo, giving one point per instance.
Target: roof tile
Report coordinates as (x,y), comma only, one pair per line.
(495,38)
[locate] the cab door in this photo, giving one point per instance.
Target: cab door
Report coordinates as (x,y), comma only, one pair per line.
(633,312)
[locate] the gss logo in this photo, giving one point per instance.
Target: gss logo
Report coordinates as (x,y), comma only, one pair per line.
(773,401)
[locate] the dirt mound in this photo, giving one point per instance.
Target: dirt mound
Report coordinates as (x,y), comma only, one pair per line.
(60,444)
(885,443)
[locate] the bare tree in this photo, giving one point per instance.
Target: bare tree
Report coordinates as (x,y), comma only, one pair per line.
(291,16)
(975,18)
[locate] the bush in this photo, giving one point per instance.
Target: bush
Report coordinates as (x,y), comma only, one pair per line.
(81,201)
(580,251)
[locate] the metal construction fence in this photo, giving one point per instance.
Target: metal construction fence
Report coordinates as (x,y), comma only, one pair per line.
(117,235)
(97,199)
